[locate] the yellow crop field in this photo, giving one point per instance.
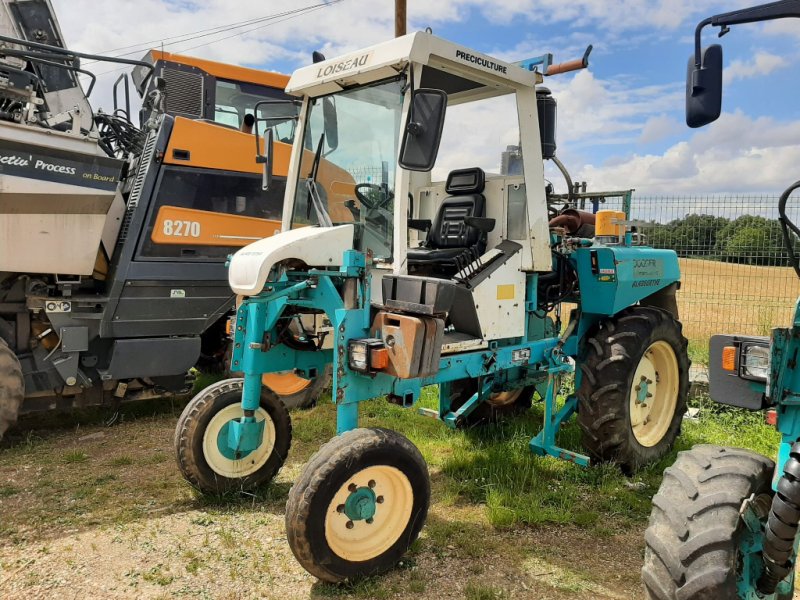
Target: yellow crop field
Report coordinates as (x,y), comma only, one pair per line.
(717,297)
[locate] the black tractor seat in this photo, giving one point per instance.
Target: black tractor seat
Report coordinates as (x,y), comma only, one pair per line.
(458,234)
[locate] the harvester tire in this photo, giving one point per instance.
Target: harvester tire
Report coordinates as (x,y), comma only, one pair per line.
(692,539)
(358,505)
(634,387)
(12,387)
(203,461)
(497,407)
(308,396)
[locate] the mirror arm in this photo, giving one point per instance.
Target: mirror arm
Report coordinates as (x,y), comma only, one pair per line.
(764,12)
(266,160)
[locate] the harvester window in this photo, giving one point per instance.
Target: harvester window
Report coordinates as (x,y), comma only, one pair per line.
(233,100)
(186,220)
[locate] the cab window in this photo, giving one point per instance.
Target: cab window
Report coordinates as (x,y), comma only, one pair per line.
(233,100)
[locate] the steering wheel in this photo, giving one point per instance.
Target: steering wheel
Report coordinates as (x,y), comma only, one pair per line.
(365,201)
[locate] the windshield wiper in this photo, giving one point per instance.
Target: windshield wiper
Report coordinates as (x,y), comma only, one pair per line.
(323,218)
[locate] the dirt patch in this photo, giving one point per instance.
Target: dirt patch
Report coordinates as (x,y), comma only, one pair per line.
(109,516)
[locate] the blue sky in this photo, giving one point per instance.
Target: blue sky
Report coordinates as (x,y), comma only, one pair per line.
(620,123)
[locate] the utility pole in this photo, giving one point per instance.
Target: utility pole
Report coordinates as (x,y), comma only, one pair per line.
(399,18)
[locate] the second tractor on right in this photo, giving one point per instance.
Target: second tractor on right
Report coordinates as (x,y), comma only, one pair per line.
(724,521)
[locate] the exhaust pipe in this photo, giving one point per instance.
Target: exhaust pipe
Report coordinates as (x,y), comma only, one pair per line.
(247,123)
(575,222)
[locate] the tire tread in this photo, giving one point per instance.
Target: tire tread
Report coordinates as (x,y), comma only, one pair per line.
(607,364)
(691,538)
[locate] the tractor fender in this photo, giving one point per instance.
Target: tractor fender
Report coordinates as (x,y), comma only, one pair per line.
(315,246)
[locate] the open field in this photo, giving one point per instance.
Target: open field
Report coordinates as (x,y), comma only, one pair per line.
(718,297)
(104,512)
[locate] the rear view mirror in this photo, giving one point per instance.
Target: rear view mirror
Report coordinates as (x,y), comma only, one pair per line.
(704,87)
(331,123)
(423,130)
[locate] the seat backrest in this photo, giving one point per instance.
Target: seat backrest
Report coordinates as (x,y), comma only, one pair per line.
(466,199)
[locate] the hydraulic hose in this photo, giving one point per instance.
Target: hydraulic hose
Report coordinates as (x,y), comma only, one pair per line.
(565,173)
(782,524)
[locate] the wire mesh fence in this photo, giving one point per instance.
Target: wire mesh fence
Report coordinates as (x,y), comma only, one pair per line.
(735,274)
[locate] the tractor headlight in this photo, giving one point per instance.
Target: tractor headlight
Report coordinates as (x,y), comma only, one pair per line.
(754,362)
(366,356)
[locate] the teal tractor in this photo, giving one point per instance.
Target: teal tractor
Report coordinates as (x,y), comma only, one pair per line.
(724,521)
(466,283)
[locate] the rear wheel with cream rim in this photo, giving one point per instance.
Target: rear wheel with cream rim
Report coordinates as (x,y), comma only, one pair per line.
(358,505)
(201,440)
(634,386)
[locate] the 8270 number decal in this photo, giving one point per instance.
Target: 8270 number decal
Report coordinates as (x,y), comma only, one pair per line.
(181,228)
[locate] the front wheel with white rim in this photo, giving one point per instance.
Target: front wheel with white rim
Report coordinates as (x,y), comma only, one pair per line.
(204,455)
(634,387)
(358,505)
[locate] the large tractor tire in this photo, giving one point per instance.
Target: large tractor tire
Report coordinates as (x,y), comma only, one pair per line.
(358,505)
(12,387)
(692,540)
(634,387)
(205,459)
(495,408)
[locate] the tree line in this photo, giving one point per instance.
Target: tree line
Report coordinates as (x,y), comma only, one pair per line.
(747,239)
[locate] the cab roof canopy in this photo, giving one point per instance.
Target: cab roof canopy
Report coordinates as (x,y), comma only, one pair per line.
(464,74)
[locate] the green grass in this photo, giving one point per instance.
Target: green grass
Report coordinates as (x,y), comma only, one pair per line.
(493,468)
(698,352)
(75,456)
(487,488)
(479,591)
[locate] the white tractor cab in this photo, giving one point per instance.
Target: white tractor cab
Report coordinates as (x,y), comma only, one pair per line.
(356,109)
(456,282)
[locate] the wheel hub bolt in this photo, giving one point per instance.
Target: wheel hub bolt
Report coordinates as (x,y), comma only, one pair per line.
(352,487)
(340,508)
(371,483)
(379,499)
(349,525)
(369,521)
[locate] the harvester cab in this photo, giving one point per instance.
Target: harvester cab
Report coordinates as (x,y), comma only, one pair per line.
(115,236)
(460,282)
(725,520)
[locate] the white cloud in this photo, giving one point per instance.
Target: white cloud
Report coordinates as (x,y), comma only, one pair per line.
(659,127)
(762,63)
(735,154)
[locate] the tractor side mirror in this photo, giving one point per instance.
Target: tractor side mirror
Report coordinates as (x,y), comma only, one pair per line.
(704,87)
(266,160)
(423,131)
(331,123)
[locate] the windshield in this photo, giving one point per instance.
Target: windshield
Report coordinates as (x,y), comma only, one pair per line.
(348,164)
